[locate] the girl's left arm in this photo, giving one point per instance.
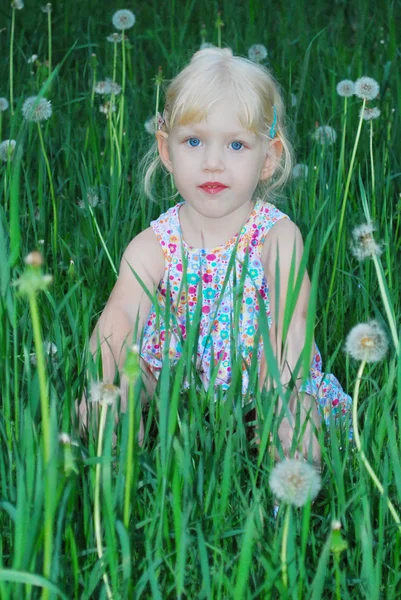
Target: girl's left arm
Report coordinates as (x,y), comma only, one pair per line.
(281,259)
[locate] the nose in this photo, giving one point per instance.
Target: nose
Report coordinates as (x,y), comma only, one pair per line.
(213,159)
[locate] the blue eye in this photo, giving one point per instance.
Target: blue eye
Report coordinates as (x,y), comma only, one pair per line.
(193,139)
(237,145)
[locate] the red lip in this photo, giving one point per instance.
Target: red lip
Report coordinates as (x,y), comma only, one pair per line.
(213,183)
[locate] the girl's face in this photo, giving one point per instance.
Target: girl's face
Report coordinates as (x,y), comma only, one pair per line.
(217,150)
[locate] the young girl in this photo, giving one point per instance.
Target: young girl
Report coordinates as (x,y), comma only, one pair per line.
(222,138)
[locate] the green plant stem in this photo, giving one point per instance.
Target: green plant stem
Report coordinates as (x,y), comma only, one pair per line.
(121,111)
(359,445)
(338,579)
(387,307)
(342,215)
(114,61)
(53,197)
(96,516)
(12,61)
(49,29)
(284,542)
(103,242)
(44,402)
(372,169)
(130,453)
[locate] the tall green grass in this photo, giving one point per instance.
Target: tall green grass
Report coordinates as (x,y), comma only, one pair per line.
(193,517)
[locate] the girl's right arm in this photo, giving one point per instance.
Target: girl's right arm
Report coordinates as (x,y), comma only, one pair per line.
(127,308)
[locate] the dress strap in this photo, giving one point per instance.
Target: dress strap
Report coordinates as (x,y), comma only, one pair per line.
(167,231)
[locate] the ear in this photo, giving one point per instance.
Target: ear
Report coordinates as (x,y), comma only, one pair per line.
(162,144)
(274,152)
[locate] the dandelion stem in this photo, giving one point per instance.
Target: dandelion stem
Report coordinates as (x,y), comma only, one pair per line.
(121,111)
(387,307)
(338,580)
(49,28)
(49,174)
(359,445)
(284,543)
(372,169)
(344,204)
(12,61)
(98,531)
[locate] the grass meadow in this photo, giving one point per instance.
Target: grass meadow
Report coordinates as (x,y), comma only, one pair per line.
(190,513)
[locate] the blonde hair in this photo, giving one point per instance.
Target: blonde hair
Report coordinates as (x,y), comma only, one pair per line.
(254,91)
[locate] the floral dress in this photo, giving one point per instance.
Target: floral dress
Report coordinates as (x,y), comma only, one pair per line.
(220,291)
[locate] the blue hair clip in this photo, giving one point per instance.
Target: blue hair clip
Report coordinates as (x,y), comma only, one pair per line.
(273,126)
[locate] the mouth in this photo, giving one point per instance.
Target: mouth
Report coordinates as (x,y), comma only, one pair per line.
(213,188)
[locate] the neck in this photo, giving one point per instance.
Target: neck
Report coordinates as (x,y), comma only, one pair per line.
(201,231)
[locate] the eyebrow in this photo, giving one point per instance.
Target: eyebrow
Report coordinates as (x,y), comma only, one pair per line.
(194,128)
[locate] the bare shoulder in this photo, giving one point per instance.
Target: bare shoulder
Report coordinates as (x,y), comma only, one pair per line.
(145,256)
(282,238)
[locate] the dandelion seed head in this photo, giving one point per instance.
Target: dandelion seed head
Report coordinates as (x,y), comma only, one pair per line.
(17,4)
(300,170)
(294,482)
(36,110)
(7,150)
(364,244)
(370,113)
(336,525)
(116,38)
(123,19)
(32,59)
(107,108)
(3,104)
(366,88)
(325,135)
(345,88)
(367,341)
(104,393)
(257,53)
(34,259)
(150,126)
(107,88)
(47,8)
(64,439)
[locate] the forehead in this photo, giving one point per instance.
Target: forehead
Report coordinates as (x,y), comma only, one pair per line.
(221,117)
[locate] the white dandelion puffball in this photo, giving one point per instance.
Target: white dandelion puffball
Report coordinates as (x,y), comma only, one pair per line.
(104,393)
(364,244)
(300,170)
(107,87)
(91,197)
(116,38)
(50,349)
(37,110)
(47,8)
(150,126)
(18,4)
(3,104)
(7,150)
(366,88)
(123,19)
(370,113)
(107,108)
(367,341)
(257,53)
(346,88)
(295,481)
(325,135)
(32,59)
